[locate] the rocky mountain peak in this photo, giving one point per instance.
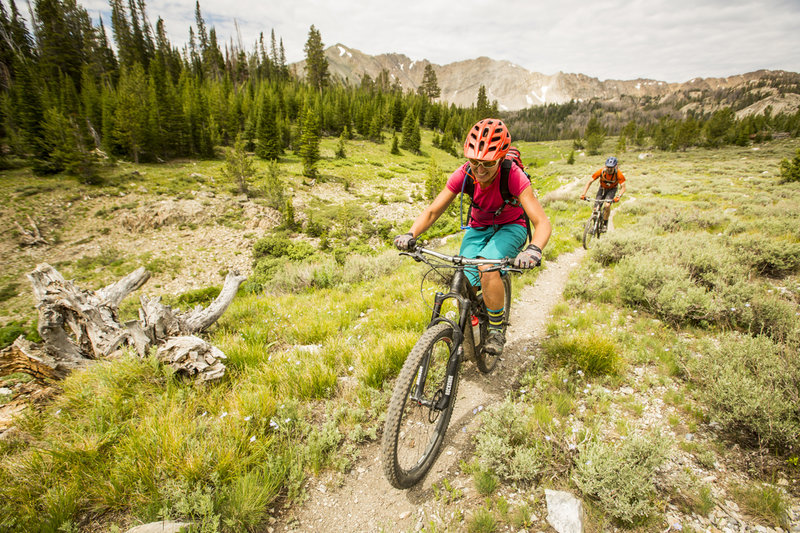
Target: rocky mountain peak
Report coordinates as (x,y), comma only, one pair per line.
(515,87)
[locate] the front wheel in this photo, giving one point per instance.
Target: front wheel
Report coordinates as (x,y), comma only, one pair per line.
(416,422)
(484,361)
(589,231)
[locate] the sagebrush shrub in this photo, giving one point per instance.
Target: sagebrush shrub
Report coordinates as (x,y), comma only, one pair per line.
(750,385)
(664,289)
(507,446)
(769,257)
(618,245)
(621,477)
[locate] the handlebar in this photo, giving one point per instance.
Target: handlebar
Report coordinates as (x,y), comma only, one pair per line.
(416,253)
(595,200)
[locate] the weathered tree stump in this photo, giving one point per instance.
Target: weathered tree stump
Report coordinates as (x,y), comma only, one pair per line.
(31,237)
(78,326)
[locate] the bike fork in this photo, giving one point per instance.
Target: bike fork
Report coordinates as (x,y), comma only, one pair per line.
(452,368)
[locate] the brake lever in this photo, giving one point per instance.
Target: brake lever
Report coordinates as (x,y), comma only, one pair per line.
(415,255)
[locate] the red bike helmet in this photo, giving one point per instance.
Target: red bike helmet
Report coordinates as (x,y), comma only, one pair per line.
(488,140)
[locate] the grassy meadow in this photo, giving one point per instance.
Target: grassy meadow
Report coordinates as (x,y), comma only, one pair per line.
(668,383)
(687,310)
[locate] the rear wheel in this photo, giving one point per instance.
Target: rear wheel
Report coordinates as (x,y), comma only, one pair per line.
(484,361)
(415,427)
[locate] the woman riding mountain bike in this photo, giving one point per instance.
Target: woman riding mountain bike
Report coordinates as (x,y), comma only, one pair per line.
(497,227)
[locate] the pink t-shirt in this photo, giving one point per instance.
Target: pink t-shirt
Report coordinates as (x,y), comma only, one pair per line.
(490,198)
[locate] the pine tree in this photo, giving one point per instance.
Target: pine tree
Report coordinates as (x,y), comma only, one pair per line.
(595,135)
(376,129)
(316,63)
(621,145)
(571,158)
(27,105)
(790,169)
(91,104)
(202,34)
(142,45)
(429,87)
(411,134)
(121,30)
(340,153)
(16,46)
(58,141)
(398,113)
(239,167)
(273,186)
(273,49)
(687,133)
(482,107)
(434,180)
(283,68)
(719,128)
(62,30)
(131,117)
(267,134)
(309,143)
(395,147)
(214,63)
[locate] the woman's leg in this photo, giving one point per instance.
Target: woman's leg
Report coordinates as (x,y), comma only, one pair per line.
(505,242)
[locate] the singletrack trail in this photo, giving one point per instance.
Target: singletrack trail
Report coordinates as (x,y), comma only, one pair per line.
(363,501)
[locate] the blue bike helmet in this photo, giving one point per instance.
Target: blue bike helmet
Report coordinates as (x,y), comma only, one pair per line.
(611,162)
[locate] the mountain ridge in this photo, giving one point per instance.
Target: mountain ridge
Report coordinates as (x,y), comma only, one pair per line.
(515,87)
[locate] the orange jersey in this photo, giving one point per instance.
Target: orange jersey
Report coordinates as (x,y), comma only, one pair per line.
(608,181)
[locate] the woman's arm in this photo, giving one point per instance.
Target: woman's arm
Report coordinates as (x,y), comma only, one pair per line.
(432,213)
(536,214)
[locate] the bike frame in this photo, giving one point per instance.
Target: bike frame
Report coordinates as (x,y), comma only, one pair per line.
(596,210)
(459,291)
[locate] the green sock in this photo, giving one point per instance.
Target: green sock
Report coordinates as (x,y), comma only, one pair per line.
(496,317)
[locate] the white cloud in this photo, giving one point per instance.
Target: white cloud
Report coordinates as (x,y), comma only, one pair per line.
(672,40)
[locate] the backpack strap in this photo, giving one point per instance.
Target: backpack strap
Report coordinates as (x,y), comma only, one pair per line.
(468,188)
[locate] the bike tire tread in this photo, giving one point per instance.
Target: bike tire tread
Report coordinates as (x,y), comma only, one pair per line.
(394,413)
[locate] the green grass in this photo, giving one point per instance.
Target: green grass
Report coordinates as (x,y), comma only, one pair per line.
(312,357)
(763,501)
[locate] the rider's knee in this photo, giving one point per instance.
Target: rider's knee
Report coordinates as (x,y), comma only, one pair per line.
(490,276)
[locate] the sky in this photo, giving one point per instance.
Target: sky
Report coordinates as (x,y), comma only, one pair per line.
(665,40)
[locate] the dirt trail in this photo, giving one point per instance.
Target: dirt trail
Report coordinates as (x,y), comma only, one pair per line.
(364,501)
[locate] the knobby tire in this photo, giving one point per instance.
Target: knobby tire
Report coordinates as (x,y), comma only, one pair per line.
(483,360)
(413,433)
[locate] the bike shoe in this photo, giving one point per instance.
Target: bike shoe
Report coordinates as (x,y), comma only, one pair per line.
(495,342)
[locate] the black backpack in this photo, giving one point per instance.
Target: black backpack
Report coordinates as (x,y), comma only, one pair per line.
(468,188)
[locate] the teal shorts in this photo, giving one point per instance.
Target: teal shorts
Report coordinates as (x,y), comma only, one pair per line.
(492,242)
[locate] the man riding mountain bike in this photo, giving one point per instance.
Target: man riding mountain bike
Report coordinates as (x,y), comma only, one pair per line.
(610,179)
(497,227)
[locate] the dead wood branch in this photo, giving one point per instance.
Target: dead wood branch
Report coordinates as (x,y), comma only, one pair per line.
(78,326)
(28,358)
(31,237)
(192,356)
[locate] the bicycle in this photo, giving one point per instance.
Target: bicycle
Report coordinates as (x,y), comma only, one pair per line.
(593,226)
(425,391)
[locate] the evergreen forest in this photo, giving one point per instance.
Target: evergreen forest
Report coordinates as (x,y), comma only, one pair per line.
(69,99)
